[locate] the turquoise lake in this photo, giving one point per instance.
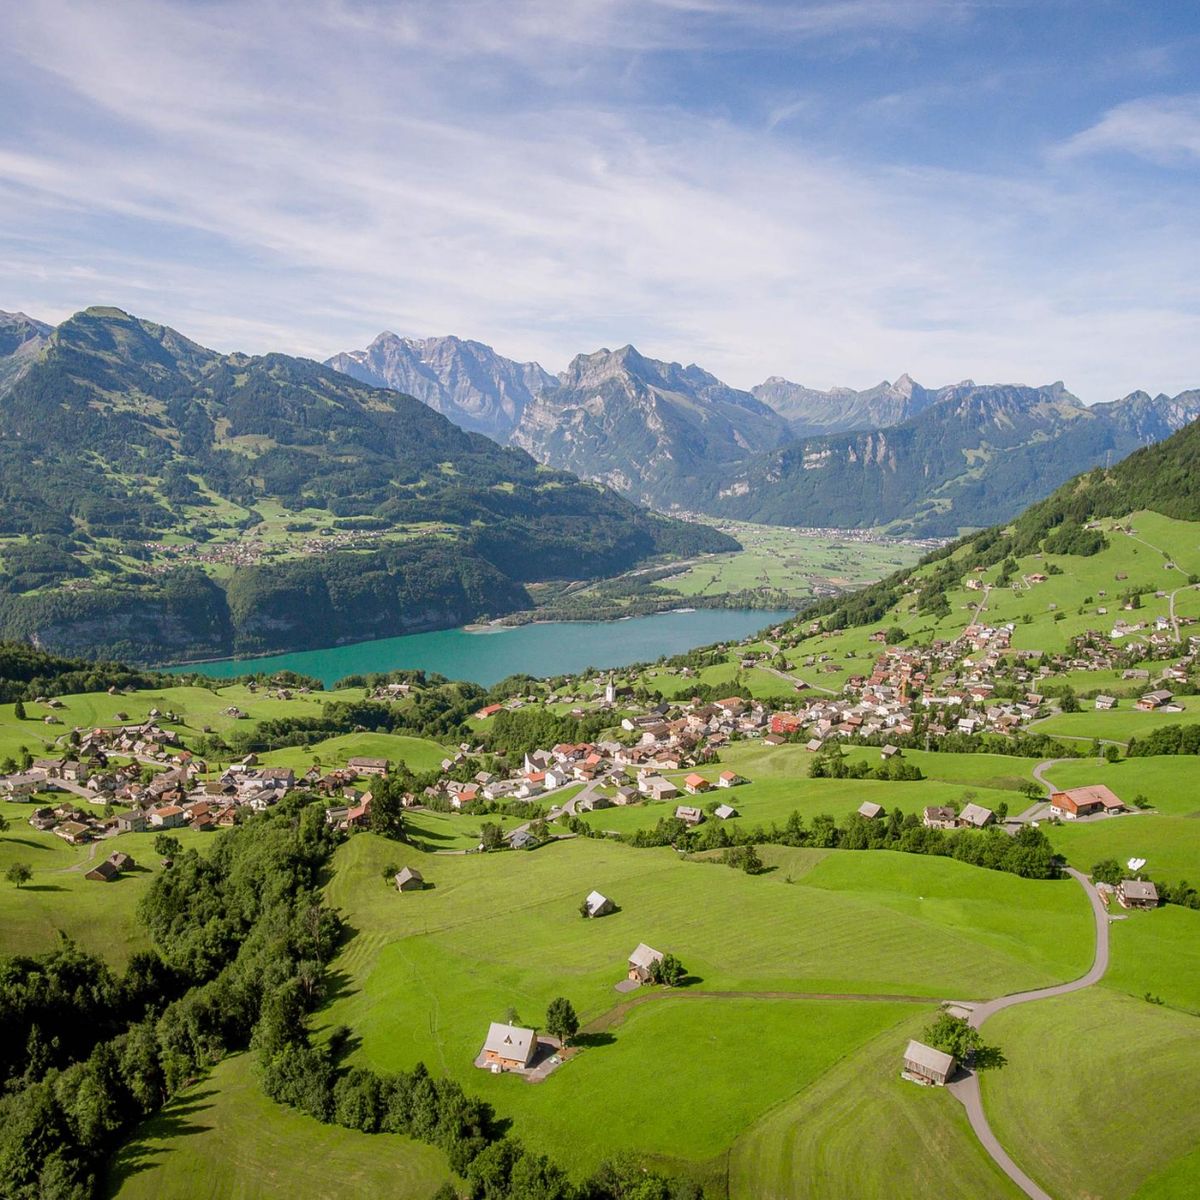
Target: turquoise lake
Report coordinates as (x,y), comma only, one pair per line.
(485,657)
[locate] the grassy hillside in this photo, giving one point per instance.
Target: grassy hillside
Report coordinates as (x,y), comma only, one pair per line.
(1072,1124)
(224,1140)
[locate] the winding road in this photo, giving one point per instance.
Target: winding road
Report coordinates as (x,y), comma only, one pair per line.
(966,1087)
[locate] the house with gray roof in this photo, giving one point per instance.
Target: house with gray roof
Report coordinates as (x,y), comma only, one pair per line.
(1137,893)
(975,816)
(641,962)
(598,905)
(923,1064)
(409,879)
(508,1047)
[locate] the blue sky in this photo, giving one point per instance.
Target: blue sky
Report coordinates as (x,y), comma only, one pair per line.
(836,191)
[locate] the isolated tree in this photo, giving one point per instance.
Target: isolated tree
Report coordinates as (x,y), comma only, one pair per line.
(1108,871)
(3,823)
(584,911)
(668,971)
(19,873)
(1112,753)
(167,846)
(953,1035)
(491,835)
(389,872)
(19,710)
(561,1020)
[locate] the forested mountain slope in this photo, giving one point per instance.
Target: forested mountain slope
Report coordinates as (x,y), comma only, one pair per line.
(162,500)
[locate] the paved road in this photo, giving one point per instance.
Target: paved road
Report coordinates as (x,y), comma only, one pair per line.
(966,1088)
(816,687)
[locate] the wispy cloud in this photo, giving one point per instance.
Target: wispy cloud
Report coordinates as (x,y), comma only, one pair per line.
(1161,129)
(502,171)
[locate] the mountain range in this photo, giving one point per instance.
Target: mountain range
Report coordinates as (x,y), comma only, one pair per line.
(161,500)
(917,460)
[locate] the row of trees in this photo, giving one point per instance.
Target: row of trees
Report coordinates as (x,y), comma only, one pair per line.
(1028,853)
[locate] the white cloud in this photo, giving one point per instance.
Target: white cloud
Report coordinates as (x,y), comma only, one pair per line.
(264,183)
(1161,129)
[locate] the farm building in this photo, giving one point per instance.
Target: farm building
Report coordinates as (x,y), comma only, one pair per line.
(975,816)
(104,872)
(598,905)
(813,745)
(1106,703)
(409,879)
(870,810)
(508,1047)
(689,815)
(924,1064)
(1152,700)
(1137,893)
(658,788)
(940,817)
(641,962)
(123,862)
(368,766)
(723,812)
(889,751)
(1085,802)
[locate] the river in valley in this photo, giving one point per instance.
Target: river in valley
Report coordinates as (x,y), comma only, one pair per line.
(487,656)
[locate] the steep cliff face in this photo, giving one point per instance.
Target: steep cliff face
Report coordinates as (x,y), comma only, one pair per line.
(974,456)
(646,428)
(809,411)
(21,338)
(466,381)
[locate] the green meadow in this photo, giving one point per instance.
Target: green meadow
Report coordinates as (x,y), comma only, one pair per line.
(1168,837)
(100,917)
(425,972)
(1119,1107)
(861,1130)
(222,1139)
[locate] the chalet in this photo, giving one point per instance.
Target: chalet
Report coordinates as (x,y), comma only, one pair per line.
(728,779)
(1106,703)
(695,784)
(940,817)
(409,879)
(723,812)
(641,963)
(626,795)
(1137,893)
(975,816)
(658,788)
(871,810)
(1084,802)
(133,821)
(18,787)
(508,1048)
(923,1064)
(1152,700)
(368,766)
(73,832)
(689,815)
(598,905)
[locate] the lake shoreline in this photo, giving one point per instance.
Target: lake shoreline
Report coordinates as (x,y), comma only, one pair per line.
(537,648)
